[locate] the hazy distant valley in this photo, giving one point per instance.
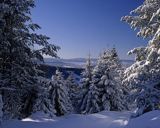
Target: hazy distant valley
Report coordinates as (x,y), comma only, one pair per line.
(77,62)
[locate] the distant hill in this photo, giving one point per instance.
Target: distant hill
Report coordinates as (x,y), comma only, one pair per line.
(50,70)
(75,65)
(77,62)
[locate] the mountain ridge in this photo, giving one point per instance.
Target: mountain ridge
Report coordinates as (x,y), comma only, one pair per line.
(78,62)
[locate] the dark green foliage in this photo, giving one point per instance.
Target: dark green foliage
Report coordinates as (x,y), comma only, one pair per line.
(18,68)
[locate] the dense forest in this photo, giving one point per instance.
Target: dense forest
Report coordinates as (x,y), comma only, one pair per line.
(24,89)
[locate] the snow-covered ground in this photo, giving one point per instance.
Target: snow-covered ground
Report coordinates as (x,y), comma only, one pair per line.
(103,119)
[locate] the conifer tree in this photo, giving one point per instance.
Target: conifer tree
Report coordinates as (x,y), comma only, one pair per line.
(59,95)
(43,101)
(105,92)
(144,75)
(85,84)
(18,68)
(73,90)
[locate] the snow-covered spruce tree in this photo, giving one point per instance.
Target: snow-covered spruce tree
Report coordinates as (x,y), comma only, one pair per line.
(85,84)
(43,101)
(105,92)
(116,62)
(113,97)
(18,68)
(118,70)
(73,90)
(59,95)
(144,75)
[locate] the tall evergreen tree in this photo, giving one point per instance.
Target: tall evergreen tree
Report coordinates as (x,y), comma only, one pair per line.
(105,92)
(115,92)
(59,95)
(144,75)
(86,83)
(18,68)
(43,100)
(73,90)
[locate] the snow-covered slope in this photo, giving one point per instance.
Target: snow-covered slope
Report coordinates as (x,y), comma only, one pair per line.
(103,119)
(147,120)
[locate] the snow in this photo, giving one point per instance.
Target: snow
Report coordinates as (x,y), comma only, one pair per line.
(147,120)
(103,119)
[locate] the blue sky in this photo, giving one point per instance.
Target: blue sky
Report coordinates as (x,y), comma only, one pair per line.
(83,26)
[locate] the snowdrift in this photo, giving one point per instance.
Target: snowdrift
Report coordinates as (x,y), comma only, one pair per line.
(103,119)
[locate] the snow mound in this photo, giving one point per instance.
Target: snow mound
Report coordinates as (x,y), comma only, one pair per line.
(147,120)
(103,119)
